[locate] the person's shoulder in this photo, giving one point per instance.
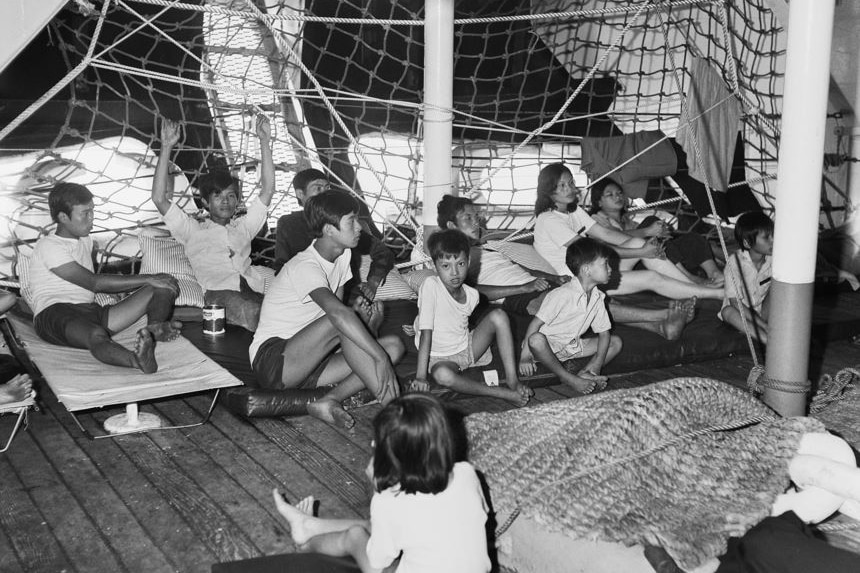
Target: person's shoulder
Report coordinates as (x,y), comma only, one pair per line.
(289,218)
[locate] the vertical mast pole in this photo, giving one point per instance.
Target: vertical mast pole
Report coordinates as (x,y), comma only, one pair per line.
(799,173)
(438,103)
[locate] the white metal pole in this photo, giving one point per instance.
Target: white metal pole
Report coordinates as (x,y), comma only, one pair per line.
(799,172)
(438,105)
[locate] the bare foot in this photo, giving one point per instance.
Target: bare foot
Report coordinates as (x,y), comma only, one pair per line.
(330,412)
(298,516)
(673,325)
(519,397)
(582,384)
(515,384)
(688,305)
(16,389)
(165,331)
(144,351)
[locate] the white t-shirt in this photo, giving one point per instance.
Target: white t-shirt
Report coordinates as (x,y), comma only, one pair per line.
(447,318)
(287,307)
(755,283)
(220,254)
(568,311)
(554,229)
(496,269)
(46,287)
(443,532)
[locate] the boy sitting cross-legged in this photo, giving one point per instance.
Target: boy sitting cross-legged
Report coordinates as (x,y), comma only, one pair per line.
(555,333)
(445,344)
(219,249)
(303,320)
(63,285)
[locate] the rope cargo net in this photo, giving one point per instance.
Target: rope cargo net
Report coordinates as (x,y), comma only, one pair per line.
(341,83)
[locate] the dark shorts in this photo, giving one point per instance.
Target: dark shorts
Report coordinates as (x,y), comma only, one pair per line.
(268,366)
(51,323)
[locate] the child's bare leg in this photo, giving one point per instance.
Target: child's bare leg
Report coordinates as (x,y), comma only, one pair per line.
(448,374)
(16,389)
(639,281)
(496,324)
(542,351)
(732,316)
(668,323)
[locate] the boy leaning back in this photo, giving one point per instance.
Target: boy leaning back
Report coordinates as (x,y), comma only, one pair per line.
(446,347)
(219,249)
(63,284)
(555,333)
(303,320)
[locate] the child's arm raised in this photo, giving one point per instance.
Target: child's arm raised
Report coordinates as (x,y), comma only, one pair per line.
(267,164)
(527,359)
(348,324)
(84,278)
(162,192)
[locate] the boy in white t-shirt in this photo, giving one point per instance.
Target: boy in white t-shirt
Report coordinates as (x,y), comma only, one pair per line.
(62,286)
(446,347)
(219,248)
(303,320)
(555,333)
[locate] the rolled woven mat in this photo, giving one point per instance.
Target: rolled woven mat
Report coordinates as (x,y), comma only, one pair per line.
(557,464)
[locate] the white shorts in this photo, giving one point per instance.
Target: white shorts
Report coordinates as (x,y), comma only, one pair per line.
(463,359)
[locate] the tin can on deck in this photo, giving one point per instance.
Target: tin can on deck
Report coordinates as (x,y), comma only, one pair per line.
(214,319)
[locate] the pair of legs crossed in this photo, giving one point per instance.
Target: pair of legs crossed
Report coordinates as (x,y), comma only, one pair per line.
(755,321)
(494,325)
(581,382)
(93,330)
(349,370)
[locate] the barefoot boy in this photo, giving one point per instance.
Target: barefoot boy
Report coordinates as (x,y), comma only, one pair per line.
(446,347)
(555,333)
(219,249)
(748,274)
(303,320)
(63,287)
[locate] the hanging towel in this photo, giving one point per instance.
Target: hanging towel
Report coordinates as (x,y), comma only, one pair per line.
(600,155)
(714,130)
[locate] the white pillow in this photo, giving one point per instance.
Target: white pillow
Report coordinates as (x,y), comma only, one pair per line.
(395,288)
(161,253)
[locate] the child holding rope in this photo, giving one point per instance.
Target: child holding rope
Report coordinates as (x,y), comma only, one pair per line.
(555,333)
(426,508)
(446,347)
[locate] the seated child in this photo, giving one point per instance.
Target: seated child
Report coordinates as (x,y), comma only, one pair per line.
(749,269)
(426,509)
(303,320)
(445,344)
(63,286)
(293,235)
(555,333)
(219,248)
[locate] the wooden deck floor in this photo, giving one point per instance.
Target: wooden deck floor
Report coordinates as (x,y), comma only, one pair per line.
(182,500)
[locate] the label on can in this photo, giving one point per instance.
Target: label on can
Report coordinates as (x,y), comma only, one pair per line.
(214,319)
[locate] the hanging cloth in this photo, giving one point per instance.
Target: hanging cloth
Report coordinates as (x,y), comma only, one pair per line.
(600,155)
(714,113)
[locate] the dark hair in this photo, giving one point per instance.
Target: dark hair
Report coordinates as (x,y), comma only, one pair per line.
(305,176)
(216,181)
(415,445)
(749,225)
(547,182)
(447,243)
(585,251)
(329,207)
(448,209)
(64,196)
(598,189)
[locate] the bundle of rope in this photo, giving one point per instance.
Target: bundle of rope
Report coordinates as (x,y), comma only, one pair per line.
(683,464)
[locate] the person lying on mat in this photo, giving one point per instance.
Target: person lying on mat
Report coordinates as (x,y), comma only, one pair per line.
(445,344)
(555,334)
(427,510)
(308,337)
(293,236)
(521,290)
(219,248)
(561,221)
(63,284)
(688,251)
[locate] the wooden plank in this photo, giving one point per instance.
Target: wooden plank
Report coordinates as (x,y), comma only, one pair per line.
(8,559)
(29,532)
(119,527)
(164,526)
